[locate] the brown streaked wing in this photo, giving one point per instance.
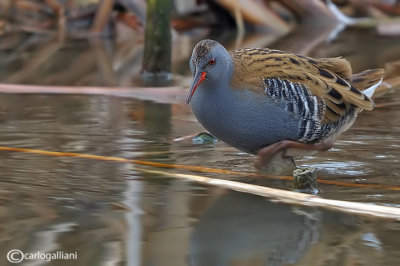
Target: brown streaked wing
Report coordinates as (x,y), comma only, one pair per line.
(252,66)
(337,65)
(366,78)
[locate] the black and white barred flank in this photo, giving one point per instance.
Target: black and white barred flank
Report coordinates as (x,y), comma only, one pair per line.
(301,103)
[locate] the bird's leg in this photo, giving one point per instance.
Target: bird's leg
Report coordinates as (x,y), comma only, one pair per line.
(265,154)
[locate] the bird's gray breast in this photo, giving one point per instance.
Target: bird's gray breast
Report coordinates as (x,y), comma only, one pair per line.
(244,119)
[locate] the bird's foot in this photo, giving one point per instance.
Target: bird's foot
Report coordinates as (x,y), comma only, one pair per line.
(266,154)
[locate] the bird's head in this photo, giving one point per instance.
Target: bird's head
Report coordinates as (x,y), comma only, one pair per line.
(210,62)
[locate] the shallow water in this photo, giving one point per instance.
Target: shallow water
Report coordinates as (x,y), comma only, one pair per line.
(112,213)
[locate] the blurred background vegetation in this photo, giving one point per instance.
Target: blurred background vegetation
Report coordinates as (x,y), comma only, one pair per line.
(118,29)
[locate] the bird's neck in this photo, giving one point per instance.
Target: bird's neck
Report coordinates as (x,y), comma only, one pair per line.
(223,82)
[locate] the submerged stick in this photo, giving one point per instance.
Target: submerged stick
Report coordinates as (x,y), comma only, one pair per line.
(305,180)
(289,197)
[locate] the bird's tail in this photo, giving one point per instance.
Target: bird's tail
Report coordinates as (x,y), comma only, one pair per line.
(367,81)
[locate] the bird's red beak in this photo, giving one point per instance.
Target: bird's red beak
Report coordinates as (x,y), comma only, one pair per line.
(198,78)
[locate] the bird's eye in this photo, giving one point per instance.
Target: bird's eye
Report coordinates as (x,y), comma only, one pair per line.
(212,61)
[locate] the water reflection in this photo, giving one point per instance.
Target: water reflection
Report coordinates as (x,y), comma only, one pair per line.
(240,229)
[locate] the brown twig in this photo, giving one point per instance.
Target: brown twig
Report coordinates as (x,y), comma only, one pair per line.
(102,17)
(256,13)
